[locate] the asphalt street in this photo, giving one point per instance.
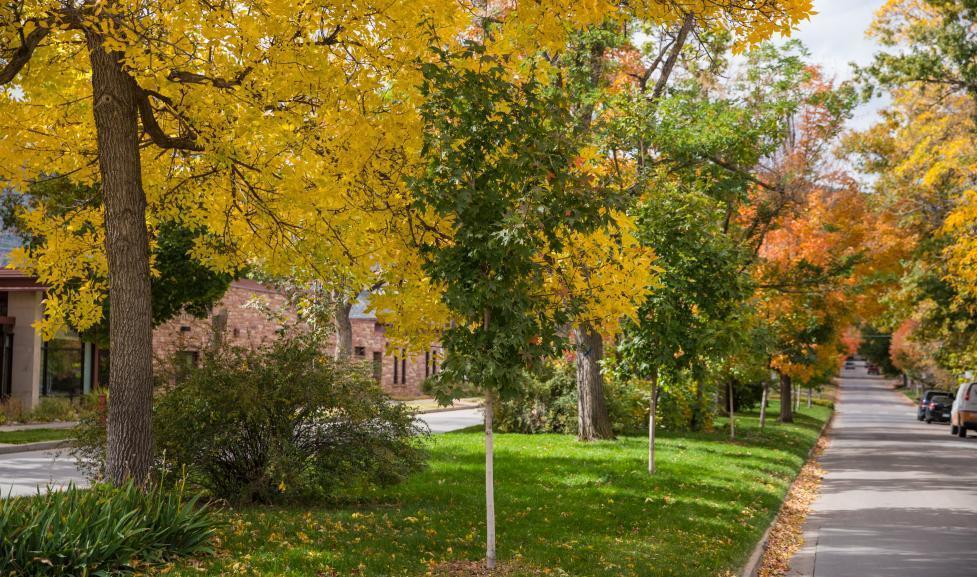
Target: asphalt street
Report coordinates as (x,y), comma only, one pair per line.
(899,498)
(26,473)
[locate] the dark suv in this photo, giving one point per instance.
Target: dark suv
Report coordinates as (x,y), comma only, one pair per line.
(928,399)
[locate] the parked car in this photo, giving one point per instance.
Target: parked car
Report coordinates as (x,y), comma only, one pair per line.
(938,408)
(849,365)
(872,369)
(963,413)
(925,399)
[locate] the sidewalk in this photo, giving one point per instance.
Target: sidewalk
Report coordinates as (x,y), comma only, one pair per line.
(32,426)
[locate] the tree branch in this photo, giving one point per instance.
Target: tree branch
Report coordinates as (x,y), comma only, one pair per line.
(22,55)
(155,131)
(186,77)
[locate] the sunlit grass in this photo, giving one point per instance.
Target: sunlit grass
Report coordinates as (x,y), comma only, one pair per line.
(583,509)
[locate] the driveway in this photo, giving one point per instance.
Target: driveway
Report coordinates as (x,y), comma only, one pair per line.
(25,473)
(899,498)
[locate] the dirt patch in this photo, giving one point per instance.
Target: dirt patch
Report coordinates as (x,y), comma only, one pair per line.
(786,536)
(477,569)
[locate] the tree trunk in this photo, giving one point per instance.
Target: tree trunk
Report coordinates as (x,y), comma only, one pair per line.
(810,393)
(732,413)
(344,329)
(786,400)
(763,405)
(127,247)
(489,485)
(489,468)
(593,422)
(652,406)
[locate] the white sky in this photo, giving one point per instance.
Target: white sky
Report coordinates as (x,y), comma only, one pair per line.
(836,38)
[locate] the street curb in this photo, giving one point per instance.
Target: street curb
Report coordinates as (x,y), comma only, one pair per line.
(31,447)
(752,566)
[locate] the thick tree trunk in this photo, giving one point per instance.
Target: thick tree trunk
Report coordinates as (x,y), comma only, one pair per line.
(593,422)
(344,329)
(652,407)
(763,406)
(786,399)
(127,247)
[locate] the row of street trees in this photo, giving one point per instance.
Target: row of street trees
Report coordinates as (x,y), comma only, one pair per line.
(514,171)
(921,155)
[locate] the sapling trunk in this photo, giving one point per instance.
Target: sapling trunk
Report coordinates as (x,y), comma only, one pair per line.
(732,415)
(489,486)
(652,406)
(763,405)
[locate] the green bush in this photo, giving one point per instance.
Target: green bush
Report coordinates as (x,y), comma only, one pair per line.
(52,409)
(284,423)
(100,531)
(549,404)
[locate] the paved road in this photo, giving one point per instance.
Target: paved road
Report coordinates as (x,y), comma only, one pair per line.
(444,421)
(899,498)
(25,473)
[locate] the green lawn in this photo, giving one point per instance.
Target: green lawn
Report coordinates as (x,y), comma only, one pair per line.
(34,436)
(563,507)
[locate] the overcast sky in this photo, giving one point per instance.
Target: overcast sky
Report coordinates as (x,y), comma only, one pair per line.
(836,38)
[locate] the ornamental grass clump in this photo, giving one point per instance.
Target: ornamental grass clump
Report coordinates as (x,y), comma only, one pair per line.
(101,531)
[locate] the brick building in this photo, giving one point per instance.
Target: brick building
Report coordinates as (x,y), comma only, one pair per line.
(249,314)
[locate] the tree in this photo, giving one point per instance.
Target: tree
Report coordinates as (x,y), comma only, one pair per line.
(502,171)
(195,113)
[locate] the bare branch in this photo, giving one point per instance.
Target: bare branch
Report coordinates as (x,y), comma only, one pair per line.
(155,131)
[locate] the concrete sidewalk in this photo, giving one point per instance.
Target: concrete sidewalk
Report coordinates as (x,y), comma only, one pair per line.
(899,498)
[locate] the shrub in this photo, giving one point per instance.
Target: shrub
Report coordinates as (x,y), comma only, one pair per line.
(11,410)
(284,422)
(52,409)
(100,531)
(548,403)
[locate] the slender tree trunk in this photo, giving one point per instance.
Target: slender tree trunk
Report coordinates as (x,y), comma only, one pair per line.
(115,100)
(797,398)
(652,407)
(489,469)
(810,393)
(344,329)
(732,413)
(786,400)
(593,422)
(489,486)
(763,405)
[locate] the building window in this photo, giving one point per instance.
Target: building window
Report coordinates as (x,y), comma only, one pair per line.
(427,364)
(403,367)
(62,364)
(396,371)
(360,352)
(377,365)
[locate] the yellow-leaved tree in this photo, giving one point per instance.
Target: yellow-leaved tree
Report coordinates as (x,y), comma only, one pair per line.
(257,120)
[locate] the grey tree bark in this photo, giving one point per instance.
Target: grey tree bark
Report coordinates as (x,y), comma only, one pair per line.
(593,421)
(786,399)
(115,98)
(763,405)
(652,407)
(344,329)
(732,414)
